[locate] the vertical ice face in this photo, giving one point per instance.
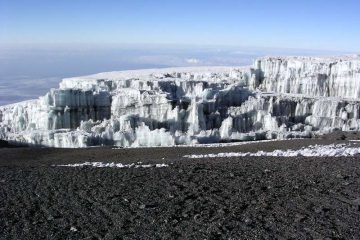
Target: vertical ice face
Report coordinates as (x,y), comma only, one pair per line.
(280,97)
(316,77)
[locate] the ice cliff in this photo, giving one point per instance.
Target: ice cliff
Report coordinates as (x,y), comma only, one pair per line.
(277,97)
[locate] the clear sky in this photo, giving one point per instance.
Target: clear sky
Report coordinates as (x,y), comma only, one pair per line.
(306,24)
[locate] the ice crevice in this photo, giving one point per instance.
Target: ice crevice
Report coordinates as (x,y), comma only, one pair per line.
(275,98)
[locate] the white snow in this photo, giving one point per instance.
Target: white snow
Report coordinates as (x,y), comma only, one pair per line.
(212,145)
(276,98)
(114,165)
(332,150)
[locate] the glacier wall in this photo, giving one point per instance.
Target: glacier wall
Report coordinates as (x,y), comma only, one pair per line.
(283,97)
(316,77)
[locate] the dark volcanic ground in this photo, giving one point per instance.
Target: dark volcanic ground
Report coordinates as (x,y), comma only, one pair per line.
(224,198)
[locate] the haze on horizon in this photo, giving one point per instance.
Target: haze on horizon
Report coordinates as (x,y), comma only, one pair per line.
(44,41)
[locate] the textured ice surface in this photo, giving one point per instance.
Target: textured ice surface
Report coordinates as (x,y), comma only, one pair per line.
(338,150)
(276,98)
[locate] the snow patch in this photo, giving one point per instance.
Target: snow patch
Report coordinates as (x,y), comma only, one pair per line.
(114,165)
(332,150)
(210,145)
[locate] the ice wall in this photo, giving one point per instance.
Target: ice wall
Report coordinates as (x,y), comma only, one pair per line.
(281,97)
(316,77)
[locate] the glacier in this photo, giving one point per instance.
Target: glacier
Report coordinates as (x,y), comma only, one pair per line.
(275,98)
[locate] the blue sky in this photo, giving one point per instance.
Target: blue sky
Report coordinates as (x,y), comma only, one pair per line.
(43,41)
(306,24)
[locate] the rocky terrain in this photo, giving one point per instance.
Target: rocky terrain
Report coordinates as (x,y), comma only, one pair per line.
(223,198)
(176,186)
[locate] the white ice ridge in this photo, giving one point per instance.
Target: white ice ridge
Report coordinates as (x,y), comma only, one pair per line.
(332,150)
(276,98)
(114,165)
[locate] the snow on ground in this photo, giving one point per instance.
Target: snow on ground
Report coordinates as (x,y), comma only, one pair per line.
(113,165)
(212,145)
(229,144)
(332,150)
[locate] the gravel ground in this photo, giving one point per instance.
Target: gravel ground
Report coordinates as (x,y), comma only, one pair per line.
(224,198)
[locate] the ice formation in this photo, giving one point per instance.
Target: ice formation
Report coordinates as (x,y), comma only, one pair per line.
(276,98)
(332,150)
